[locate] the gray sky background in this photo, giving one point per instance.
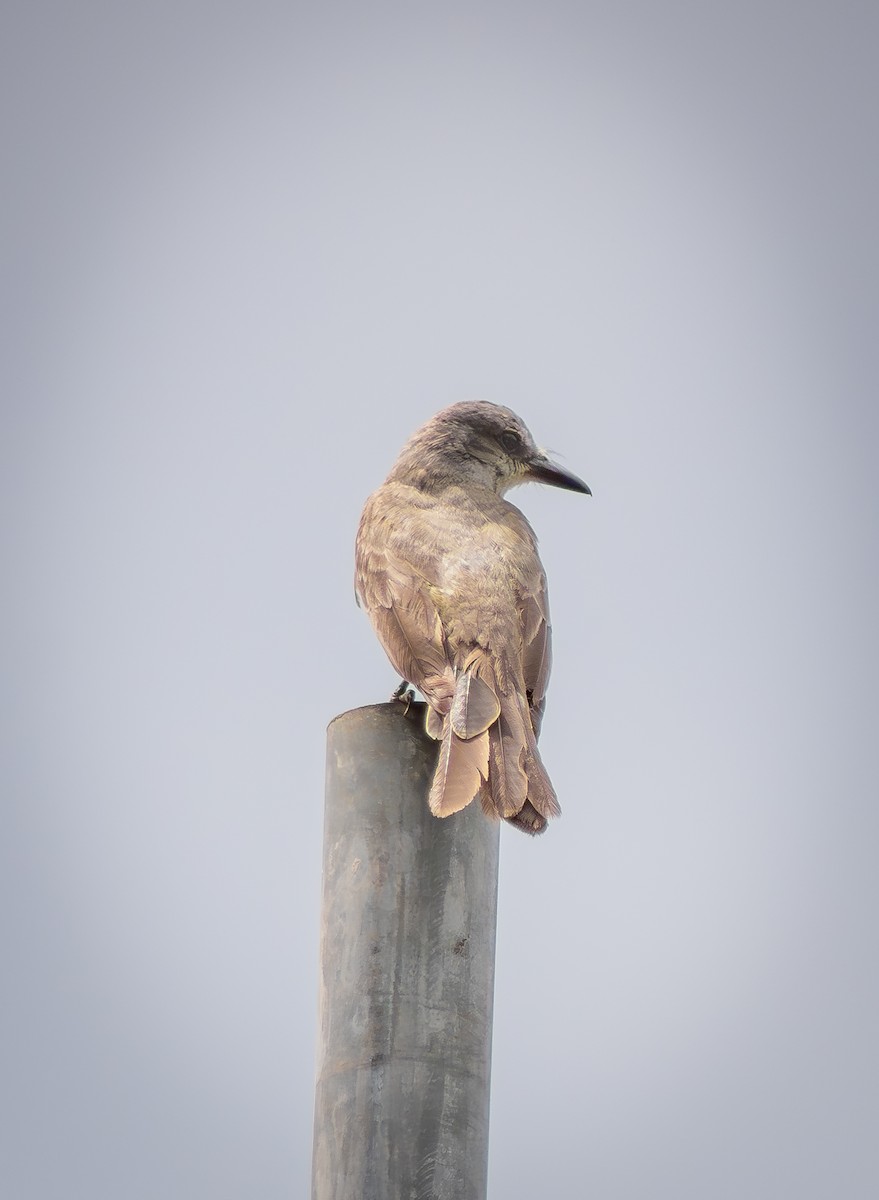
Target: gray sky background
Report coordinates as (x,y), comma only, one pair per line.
(247,249)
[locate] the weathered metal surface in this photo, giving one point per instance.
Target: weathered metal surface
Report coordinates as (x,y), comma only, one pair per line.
(407,972)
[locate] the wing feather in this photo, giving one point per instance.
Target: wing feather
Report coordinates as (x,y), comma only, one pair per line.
(397,595)
(412,635)
(536,639)
(536,649)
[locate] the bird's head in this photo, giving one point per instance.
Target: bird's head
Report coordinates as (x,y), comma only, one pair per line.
(480,443)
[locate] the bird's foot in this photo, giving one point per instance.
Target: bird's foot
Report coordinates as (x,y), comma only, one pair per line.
(404,694)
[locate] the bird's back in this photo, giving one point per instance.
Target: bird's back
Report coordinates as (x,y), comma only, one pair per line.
(455,589)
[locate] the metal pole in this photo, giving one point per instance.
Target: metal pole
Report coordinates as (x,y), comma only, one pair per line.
(407,972)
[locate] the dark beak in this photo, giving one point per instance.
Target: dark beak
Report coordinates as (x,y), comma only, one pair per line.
(542,470)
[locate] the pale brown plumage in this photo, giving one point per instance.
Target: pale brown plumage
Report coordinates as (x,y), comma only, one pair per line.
(449,574)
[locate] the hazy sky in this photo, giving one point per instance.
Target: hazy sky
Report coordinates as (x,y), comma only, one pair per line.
(247,249)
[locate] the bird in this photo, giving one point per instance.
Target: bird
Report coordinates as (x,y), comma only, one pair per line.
(449,575)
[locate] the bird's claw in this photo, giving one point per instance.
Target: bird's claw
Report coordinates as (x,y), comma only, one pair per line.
(404,694)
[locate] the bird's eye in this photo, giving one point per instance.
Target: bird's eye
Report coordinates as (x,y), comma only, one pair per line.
(511,441)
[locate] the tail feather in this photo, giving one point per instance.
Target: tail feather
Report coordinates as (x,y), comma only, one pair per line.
(460,772)
(529,820)
(474,707)
(541,793)
(486,800)
(462,767)
(434,723)
(489,749)
(509,783)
